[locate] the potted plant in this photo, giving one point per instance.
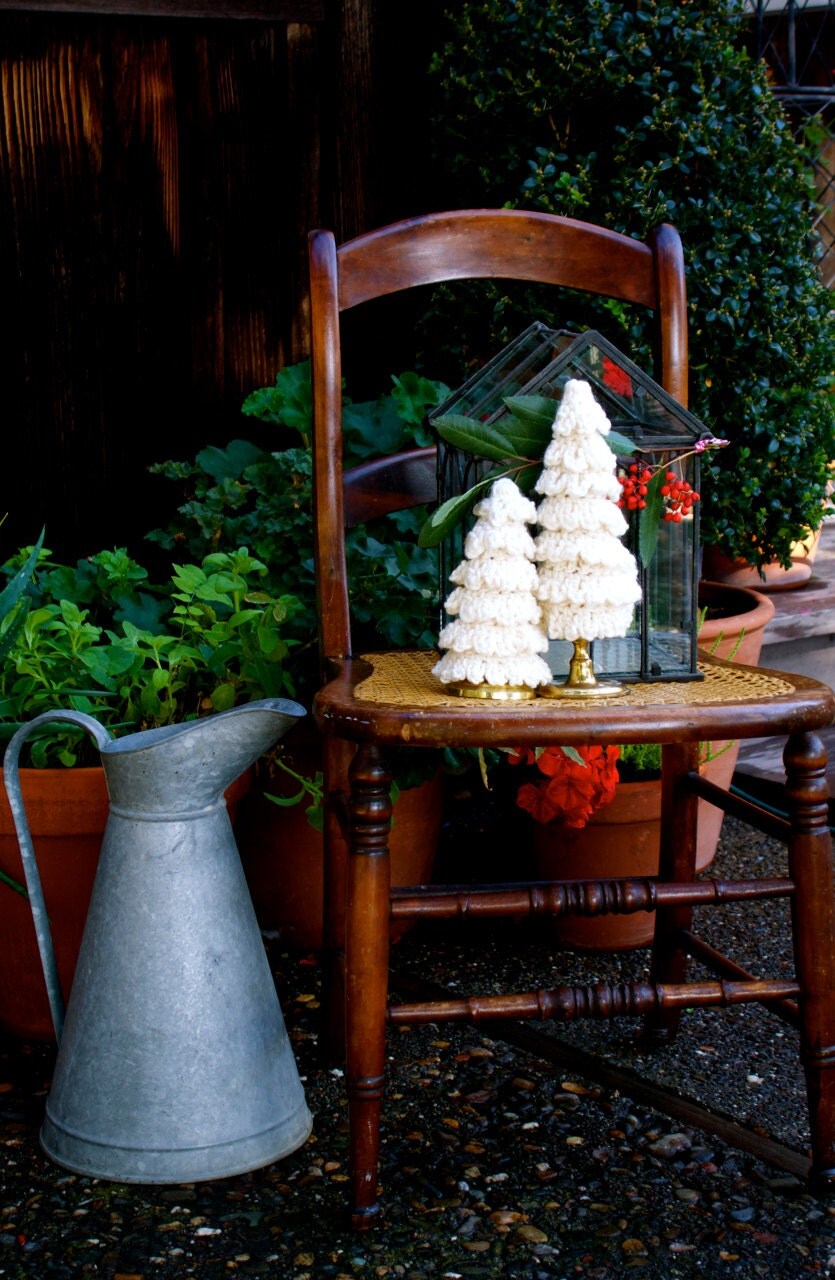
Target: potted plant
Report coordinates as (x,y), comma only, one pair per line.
(598,814)
(263,497)
(99,637)
(627,116)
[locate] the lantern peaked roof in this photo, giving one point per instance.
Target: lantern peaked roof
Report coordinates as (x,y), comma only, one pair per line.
(541,360)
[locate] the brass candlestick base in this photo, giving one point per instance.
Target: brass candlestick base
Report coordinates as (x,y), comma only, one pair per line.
(581,681)
(498,692)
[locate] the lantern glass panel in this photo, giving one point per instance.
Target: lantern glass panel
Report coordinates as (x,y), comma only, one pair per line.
(661,642)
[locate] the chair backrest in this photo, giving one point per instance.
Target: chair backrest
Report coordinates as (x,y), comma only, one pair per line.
(464,244)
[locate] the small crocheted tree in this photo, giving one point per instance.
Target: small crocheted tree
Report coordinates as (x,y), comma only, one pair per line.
(587,579)
(496,634)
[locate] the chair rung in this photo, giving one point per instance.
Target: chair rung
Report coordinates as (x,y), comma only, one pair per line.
(746,810)
(600,1000)
(575,897)
(723,966)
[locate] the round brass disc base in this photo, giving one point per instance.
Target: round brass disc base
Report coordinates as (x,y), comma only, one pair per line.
(498,692)
(601,690)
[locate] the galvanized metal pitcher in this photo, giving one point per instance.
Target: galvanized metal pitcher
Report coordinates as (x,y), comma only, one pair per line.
(174,1063)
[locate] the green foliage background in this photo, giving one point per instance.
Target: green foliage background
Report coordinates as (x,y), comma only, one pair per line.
(629,115)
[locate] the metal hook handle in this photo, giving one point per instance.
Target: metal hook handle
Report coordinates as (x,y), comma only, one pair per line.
(11,780)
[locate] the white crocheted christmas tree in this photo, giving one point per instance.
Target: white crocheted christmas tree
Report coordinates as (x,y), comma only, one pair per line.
(587,579)
(496,633)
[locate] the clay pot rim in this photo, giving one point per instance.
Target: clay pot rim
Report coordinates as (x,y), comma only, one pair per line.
(755,608)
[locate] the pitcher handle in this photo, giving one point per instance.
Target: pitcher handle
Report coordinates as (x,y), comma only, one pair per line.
(11,780)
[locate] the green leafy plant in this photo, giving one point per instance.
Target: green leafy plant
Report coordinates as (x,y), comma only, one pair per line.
(98,637)
(639,760)
(632,114)
(245,495)
(14,599)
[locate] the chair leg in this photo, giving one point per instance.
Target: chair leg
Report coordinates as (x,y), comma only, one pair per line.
(337,757)
(813,936)
(366,972)
(677,862)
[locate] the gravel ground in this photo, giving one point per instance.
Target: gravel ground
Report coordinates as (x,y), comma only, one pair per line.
(495,1163)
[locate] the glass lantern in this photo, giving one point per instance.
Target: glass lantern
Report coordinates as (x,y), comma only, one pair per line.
(661,641)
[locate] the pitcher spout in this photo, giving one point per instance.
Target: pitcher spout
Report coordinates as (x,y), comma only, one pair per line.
(190,765)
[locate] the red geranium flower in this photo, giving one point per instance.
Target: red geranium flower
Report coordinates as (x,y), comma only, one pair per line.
(570,789)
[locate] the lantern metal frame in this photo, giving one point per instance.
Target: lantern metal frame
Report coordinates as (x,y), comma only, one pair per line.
(661,645)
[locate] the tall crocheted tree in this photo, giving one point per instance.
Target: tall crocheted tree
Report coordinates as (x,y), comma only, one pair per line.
(496,635)
(587,579)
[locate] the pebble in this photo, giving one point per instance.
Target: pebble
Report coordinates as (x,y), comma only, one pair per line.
(671,1145)
(541,1174)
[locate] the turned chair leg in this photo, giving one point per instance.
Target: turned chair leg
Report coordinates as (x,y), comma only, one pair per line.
(337,758)
(813,938)
(366,972)
(677,862)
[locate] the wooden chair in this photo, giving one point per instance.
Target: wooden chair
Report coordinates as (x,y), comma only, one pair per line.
(372,702)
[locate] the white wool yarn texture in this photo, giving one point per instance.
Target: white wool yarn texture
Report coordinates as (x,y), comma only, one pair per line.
(576,580)
(505,504)
(496,573)
(513,607)
(496,634)
(587,580)
(455,668)
(493,639)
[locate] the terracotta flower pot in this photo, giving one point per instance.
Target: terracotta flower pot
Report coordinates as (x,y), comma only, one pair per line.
(774,577)
(623,838)
(619,840)
(736,620)
(67,812)
(734,628)
(282,856)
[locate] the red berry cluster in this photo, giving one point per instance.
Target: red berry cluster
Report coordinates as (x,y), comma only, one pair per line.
(677,493)
(678,497)
(634,485)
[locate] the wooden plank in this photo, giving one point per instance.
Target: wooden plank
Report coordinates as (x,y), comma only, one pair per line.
(147,220)
(258,10)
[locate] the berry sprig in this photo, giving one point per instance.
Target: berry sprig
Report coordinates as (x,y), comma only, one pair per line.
(678,497)
(634,485)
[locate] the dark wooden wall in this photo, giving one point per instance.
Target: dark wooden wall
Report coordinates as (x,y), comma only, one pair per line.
(158,176)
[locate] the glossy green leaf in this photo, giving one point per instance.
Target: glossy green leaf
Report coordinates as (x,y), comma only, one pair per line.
(619,444)
(444,519)
(649,519)
(534,411)
(474,437)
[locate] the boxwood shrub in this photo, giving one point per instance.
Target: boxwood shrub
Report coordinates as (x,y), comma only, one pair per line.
(627,114)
